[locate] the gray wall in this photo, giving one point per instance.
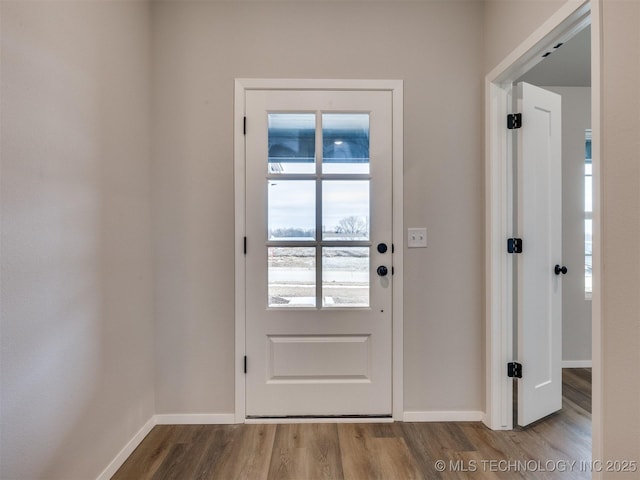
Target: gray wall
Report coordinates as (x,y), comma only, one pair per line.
(621,232)
(199,48)
(508,22)
(76,352)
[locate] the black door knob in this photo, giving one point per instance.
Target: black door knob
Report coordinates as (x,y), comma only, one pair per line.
(382,247)
(560,270)
(382,270)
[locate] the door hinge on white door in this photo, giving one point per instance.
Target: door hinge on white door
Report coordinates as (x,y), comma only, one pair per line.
(245,364)
(514,245)
(244,245)
(244,126)
(514,121)
(514,370)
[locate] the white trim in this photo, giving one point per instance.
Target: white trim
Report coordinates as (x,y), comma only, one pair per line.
(398,261)
(127,450)
(577,363)
(317,84)
(498,264)
(597,390)
(240,274)
(444,416)
(195,419)
(396,88)
(569,19)
(271,421)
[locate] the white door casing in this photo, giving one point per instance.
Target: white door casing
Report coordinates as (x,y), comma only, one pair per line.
(540,226)
(289,378)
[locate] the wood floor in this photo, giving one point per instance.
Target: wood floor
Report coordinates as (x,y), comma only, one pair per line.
(400,451)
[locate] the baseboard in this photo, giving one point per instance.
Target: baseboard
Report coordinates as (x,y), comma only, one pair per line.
(127,450)
(195,419)
(576,363)
(444,416)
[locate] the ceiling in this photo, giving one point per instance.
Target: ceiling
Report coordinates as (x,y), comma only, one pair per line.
(568,65)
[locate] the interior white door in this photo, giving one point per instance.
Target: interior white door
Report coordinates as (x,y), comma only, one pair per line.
(540,226)
(319,253)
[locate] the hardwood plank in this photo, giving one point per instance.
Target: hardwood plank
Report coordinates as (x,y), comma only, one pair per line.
(306,451)
(576,387)
(185,455)
(493,446)
(424,448)
(357,461)
(219,440)
(248,454)
(145,460)
(364,455)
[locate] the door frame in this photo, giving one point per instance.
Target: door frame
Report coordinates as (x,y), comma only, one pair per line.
(568,20)
(396,89)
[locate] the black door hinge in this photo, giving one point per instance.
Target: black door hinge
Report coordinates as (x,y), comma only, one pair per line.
(245,364)
(244,245)
(514,245)
(244,126)
(514,120)
(514,370)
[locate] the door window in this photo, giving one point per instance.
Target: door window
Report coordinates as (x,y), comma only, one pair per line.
(588,217)
(318,210)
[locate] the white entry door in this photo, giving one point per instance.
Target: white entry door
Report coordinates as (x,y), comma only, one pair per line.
(319,253)
(540,264)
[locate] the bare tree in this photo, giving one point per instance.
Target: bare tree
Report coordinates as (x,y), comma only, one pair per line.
(352,225)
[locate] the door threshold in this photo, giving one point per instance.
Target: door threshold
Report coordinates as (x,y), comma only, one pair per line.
(255,419)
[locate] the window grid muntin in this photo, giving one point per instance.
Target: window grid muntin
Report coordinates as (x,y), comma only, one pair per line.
(318,242)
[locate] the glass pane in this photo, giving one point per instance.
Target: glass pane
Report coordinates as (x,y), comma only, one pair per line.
(588,274)
(292,276)
(292,209)
(345,277)
(345,143)
(292,143)
(588,188)
(345,210)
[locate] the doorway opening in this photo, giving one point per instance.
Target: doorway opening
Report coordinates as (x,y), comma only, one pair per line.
(566,71)
(569,21)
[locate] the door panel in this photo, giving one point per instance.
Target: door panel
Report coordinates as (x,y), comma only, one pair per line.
(318,315)
(540,227)
(326,358)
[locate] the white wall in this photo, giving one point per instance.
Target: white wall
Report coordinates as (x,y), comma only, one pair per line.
(199,48)
(76,293)
(576,310)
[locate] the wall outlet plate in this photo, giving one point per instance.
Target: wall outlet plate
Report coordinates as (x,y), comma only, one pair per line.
(417,237)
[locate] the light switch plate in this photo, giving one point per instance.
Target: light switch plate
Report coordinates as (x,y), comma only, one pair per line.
(417,237)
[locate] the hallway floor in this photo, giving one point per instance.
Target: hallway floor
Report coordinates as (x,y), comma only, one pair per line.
(557,447)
